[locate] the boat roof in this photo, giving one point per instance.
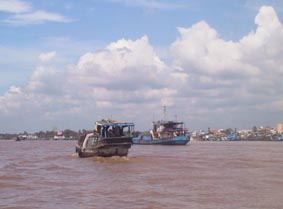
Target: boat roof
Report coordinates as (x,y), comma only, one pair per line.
(114,123)
(168,122)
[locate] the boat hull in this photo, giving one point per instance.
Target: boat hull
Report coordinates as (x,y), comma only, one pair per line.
(178,140)
(106,148)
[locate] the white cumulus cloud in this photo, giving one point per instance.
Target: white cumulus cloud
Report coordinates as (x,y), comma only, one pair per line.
(267,22)
(200,48)
(231,78)
(208,82)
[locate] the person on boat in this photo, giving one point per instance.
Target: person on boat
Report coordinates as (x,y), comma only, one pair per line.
(95,132)
(110,133)
(98,129)
(118,131)
(81,139)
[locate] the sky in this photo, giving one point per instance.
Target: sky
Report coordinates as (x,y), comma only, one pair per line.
(67,64)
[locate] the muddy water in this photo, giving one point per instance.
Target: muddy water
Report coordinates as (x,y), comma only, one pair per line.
(200,175)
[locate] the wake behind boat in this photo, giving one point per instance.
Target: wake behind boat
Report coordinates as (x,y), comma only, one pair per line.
(109,138)
(165,133)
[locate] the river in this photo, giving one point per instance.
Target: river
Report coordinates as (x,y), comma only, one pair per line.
(200,175)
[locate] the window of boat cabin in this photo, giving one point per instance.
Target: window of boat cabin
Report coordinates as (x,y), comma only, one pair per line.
(91,140)
(118,131)
(104,131)
(114,130)
(128,130)
(94,139)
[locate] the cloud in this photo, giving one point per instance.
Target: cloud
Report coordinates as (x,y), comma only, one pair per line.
(121,63)
(149,4)
(14,6)
(200,48)
(233,77)
(267,22)
(37,17)
(14,90)
(125,74)
(22,13)
(206,81)
(44,57)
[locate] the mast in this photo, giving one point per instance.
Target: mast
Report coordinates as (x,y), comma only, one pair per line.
(164,112)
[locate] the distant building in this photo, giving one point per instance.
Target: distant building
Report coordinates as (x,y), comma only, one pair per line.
(279,128)
(59,135)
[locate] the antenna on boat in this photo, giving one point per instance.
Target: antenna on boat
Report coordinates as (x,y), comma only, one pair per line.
(164,112)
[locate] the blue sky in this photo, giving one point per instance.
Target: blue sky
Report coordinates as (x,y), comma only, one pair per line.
(48,44)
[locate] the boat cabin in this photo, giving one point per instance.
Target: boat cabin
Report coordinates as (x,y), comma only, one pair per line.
(168,129)
(111,128)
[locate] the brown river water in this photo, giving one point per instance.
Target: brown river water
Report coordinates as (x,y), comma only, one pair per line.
(200,175)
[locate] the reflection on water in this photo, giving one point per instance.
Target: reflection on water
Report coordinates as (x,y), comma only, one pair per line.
(48,174)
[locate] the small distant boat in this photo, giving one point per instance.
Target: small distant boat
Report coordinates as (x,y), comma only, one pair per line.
(109,138)
(165,133)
